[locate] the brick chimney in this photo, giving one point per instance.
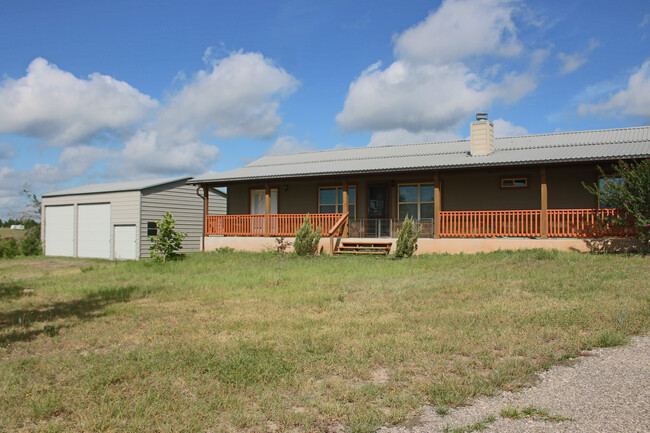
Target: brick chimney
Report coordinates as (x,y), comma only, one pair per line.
(481,136)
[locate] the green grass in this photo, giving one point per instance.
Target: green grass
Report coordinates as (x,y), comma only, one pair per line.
(214,343)
(6,232)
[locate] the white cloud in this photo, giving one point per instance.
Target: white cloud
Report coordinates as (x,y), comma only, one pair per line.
(634,100)
(54,105)
(402,136)
(6,151)
(237,96)
(571,62)
(503,128)
(148,153)
(423,97)
(429,88)
(461,28)
(289,144)
(645,20)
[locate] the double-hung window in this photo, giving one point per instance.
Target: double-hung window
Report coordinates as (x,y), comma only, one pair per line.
(330,200)
(416,200)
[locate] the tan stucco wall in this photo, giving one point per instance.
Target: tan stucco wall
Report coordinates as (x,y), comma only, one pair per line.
(445,246)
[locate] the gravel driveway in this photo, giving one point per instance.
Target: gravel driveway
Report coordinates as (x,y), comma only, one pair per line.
(608,390)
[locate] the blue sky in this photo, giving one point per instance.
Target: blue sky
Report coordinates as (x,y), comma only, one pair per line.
(107,91)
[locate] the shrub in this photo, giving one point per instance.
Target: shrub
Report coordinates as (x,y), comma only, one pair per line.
(168,241)
(31,243)
(407,239)
(630,192)
(9,248)
(306,242)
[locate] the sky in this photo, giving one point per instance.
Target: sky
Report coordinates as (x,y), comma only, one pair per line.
(94,92)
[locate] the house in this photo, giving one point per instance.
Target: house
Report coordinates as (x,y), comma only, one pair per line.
(115,220)
(480,194)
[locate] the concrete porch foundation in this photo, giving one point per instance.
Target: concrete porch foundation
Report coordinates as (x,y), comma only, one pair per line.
(442,246)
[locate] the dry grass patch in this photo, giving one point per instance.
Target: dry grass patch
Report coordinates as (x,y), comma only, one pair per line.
(211,343)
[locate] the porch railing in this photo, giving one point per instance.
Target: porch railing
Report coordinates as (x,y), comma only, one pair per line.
(501,223)
(578,223)
(279,224)
(562,223)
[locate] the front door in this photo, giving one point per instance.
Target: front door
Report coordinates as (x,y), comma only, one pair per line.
(378,218)
(258,207)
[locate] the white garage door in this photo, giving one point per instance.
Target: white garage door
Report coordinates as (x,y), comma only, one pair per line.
(94,231)
(59,232)
(125,243)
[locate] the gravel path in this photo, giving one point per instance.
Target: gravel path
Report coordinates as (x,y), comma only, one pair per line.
(608,390)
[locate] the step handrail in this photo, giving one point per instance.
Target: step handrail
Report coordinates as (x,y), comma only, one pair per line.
(338,224)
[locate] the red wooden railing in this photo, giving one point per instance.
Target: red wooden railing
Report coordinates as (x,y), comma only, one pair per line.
(279,224)
(578,223)
(475,224)
(235,225)
(562,223)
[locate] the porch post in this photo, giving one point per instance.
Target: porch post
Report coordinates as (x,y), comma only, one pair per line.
(346,208)
(206,211)
(544,213)
(436,205)
(267,209)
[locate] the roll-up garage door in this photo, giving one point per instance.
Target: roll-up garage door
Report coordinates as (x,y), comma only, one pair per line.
(94,230)
(59,230)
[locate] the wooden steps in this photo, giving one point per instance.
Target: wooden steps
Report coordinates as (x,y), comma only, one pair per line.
(364,247)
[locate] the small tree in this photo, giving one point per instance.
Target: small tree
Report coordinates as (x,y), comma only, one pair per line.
(9,248)
(168,241)
(407,239)
(306,242)
(630,192)
(31,243)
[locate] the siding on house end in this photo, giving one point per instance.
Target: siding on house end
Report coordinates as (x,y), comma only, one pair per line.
(186,207)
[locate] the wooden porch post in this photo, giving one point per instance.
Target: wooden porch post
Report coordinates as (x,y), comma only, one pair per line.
(206,211)
(436,205)
(267,209)
(544,213)
(346,208)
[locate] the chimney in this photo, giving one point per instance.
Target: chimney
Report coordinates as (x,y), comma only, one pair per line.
(481,136)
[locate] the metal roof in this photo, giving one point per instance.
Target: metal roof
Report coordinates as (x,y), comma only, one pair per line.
(599,145)
(133,185)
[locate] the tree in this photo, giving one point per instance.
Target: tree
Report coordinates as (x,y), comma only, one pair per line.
(306,242)
(31,243)
(628,189)
(33,208)
(168,241)
(407,239)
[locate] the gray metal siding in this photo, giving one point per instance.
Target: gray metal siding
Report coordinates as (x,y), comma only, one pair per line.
(181,200)
(125,207)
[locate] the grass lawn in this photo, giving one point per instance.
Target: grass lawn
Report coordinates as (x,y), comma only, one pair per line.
(6,232)
(213,343)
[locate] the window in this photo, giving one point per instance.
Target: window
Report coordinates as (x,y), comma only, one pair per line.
(602,181)
(416,200)
(152,230)
(330,200)
(514,182)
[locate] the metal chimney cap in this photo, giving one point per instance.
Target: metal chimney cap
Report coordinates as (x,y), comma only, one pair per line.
(481,116)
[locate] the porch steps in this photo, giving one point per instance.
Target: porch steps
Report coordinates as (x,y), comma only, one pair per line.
(364,247)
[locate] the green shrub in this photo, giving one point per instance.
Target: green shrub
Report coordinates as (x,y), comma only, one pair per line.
(9,248)
(168,241)
(31,243)
(407,239)
(306,242)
